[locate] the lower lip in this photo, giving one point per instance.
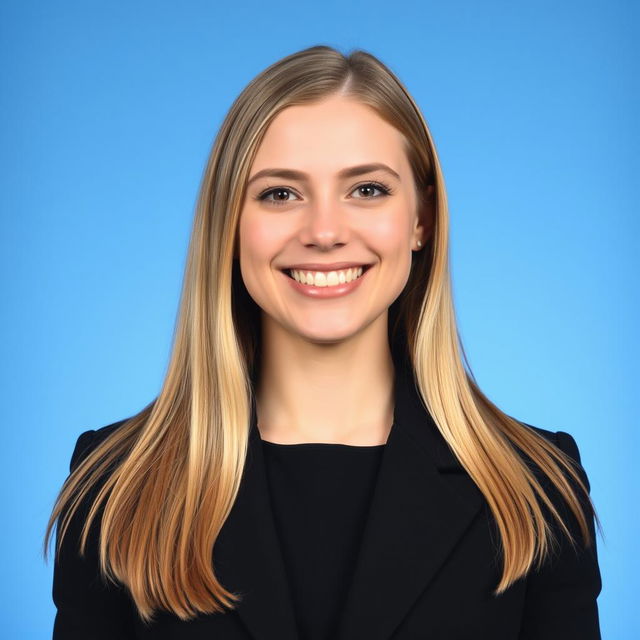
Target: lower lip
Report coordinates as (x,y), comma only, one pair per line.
(326,292)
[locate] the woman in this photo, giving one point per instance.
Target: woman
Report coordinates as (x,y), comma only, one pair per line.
(319,463)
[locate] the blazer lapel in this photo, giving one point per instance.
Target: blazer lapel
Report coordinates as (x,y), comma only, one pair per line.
(247,555)
(422,505)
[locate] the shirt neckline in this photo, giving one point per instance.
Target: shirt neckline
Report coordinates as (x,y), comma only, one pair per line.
(320,445)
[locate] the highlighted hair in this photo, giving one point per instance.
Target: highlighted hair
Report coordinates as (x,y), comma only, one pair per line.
(167,478)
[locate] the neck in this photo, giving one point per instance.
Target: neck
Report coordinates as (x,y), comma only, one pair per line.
(336,393)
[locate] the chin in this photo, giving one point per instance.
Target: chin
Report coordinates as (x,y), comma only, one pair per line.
(330,335)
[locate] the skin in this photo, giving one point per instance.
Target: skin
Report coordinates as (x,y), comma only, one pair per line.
(327,372)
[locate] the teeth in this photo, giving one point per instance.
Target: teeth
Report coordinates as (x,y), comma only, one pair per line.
(326,279)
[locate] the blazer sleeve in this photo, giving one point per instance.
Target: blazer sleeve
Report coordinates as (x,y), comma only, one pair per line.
(88,606)
(561,597)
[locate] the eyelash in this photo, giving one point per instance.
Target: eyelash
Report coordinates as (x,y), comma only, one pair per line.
(386,191)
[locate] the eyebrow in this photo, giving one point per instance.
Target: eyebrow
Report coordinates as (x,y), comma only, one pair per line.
(349,172)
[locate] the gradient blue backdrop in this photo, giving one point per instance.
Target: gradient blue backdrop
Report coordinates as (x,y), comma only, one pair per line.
(108,113)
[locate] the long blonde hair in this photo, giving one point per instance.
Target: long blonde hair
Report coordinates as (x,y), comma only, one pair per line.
(167,478)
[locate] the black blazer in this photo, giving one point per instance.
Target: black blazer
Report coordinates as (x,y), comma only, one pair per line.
(426,568)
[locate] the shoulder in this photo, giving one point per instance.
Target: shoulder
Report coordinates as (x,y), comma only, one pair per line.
(568,445)
(88,440)
(561,439)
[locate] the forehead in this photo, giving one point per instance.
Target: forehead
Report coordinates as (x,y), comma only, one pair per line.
(328,135)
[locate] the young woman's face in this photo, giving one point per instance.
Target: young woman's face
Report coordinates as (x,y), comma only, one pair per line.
(314,200)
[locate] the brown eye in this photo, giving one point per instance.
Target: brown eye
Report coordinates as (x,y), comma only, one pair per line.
(369,187)
(280,195)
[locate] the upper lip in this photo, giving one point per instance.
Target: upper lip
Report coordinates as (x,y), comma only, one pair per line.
(317,266)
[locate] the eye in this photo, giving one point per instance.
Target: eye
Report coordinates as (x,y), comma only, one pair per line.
(278,192)
(386,190)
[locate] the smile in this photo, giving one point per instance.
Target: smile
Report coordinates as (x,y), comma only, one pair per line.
(326,284)
(327,278)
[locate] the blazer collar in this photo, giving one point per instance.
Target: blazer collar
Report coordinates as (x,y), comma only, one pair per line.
(422,504)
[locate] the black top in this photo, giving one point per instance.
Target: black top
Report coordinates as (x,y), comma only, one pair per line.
(320,496)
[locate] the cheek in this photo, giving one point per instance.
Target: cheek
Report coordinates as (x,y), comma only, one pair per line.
(391,237)
(259,241)
(392,224)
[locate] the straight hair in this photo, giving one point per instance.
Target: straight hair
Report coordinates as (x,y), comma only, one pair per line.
(165,481)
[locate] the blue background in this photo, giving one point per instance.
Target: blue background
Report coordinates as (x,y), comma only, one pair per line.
(108,113)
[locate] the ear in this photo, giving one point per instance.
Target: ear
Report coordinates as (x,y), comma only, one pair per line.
(426,217)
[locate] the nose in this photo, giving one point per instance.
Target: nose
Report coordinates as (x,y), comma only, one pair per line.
(325,224)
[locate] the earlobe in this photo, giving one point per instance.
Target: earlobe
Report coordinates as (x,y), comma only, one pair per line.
(418,236)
